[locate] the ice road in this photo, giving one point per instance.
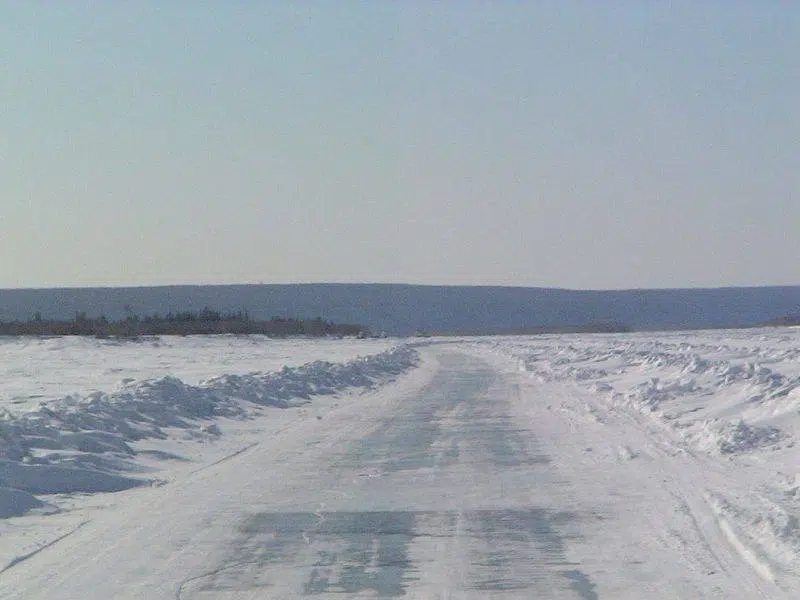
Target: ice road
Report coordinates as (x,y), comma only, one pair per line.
(464,478)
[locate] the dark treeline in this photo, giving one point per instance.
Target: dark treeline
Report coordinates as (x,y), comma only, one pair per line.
(204,322)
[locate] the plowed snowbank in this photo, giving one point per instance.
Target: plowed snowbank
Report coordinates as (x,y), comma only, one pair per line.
(88,443)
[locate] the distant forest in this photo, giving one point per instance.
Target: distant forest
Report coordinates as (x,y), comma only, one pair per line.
(205,322)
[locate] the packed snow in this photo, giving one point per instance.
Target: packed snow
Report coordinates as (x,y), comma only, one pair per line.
(682,444)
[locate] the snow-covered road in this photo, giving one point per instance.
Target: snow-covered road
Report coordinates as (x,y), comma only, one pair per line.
(482,473)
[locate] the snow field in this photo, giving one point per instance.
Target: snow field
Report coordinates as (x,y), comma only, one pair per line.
(103,441)
(35,370)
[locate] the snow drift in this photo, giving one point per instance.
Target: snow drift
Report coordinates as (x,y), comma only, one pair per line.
(87,443)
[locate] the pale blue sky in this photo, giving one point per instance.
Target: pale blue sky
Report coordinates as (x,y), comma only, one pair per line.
(569,144)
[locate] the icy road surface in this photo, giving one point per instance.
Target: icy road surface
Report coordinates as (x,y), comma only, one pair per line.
(495,469)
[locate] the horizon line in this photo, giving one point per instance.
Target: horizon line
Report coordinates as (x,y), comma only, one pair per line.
(389,284)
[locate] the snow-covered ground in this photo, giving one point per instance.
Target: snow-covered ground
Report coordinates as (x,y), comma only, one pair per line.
(85,416)
(715,415)
(658,465)
(33,370)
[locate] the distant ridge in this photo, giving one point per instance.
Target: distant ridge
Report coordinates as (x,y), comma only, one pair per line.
(401,309)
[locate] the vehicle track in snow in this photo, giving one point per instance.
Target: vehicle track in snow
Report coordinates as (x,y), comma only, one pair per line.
(443,510)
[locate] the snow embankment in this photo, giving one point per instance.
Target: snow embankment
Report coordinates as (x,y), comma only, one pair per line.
(721,395)
(88,443)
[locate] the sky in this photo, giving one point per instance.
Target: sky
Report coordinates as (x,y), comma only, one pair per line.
(586,145)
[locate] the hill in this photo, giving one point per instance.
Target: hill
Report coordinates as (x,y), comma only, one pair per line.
(401,309)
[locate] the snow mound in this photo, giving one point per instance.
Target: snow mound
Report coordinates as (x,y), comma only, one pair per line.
(56,479)
(15,503)
(83,444)
(651,394)
(736,437)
